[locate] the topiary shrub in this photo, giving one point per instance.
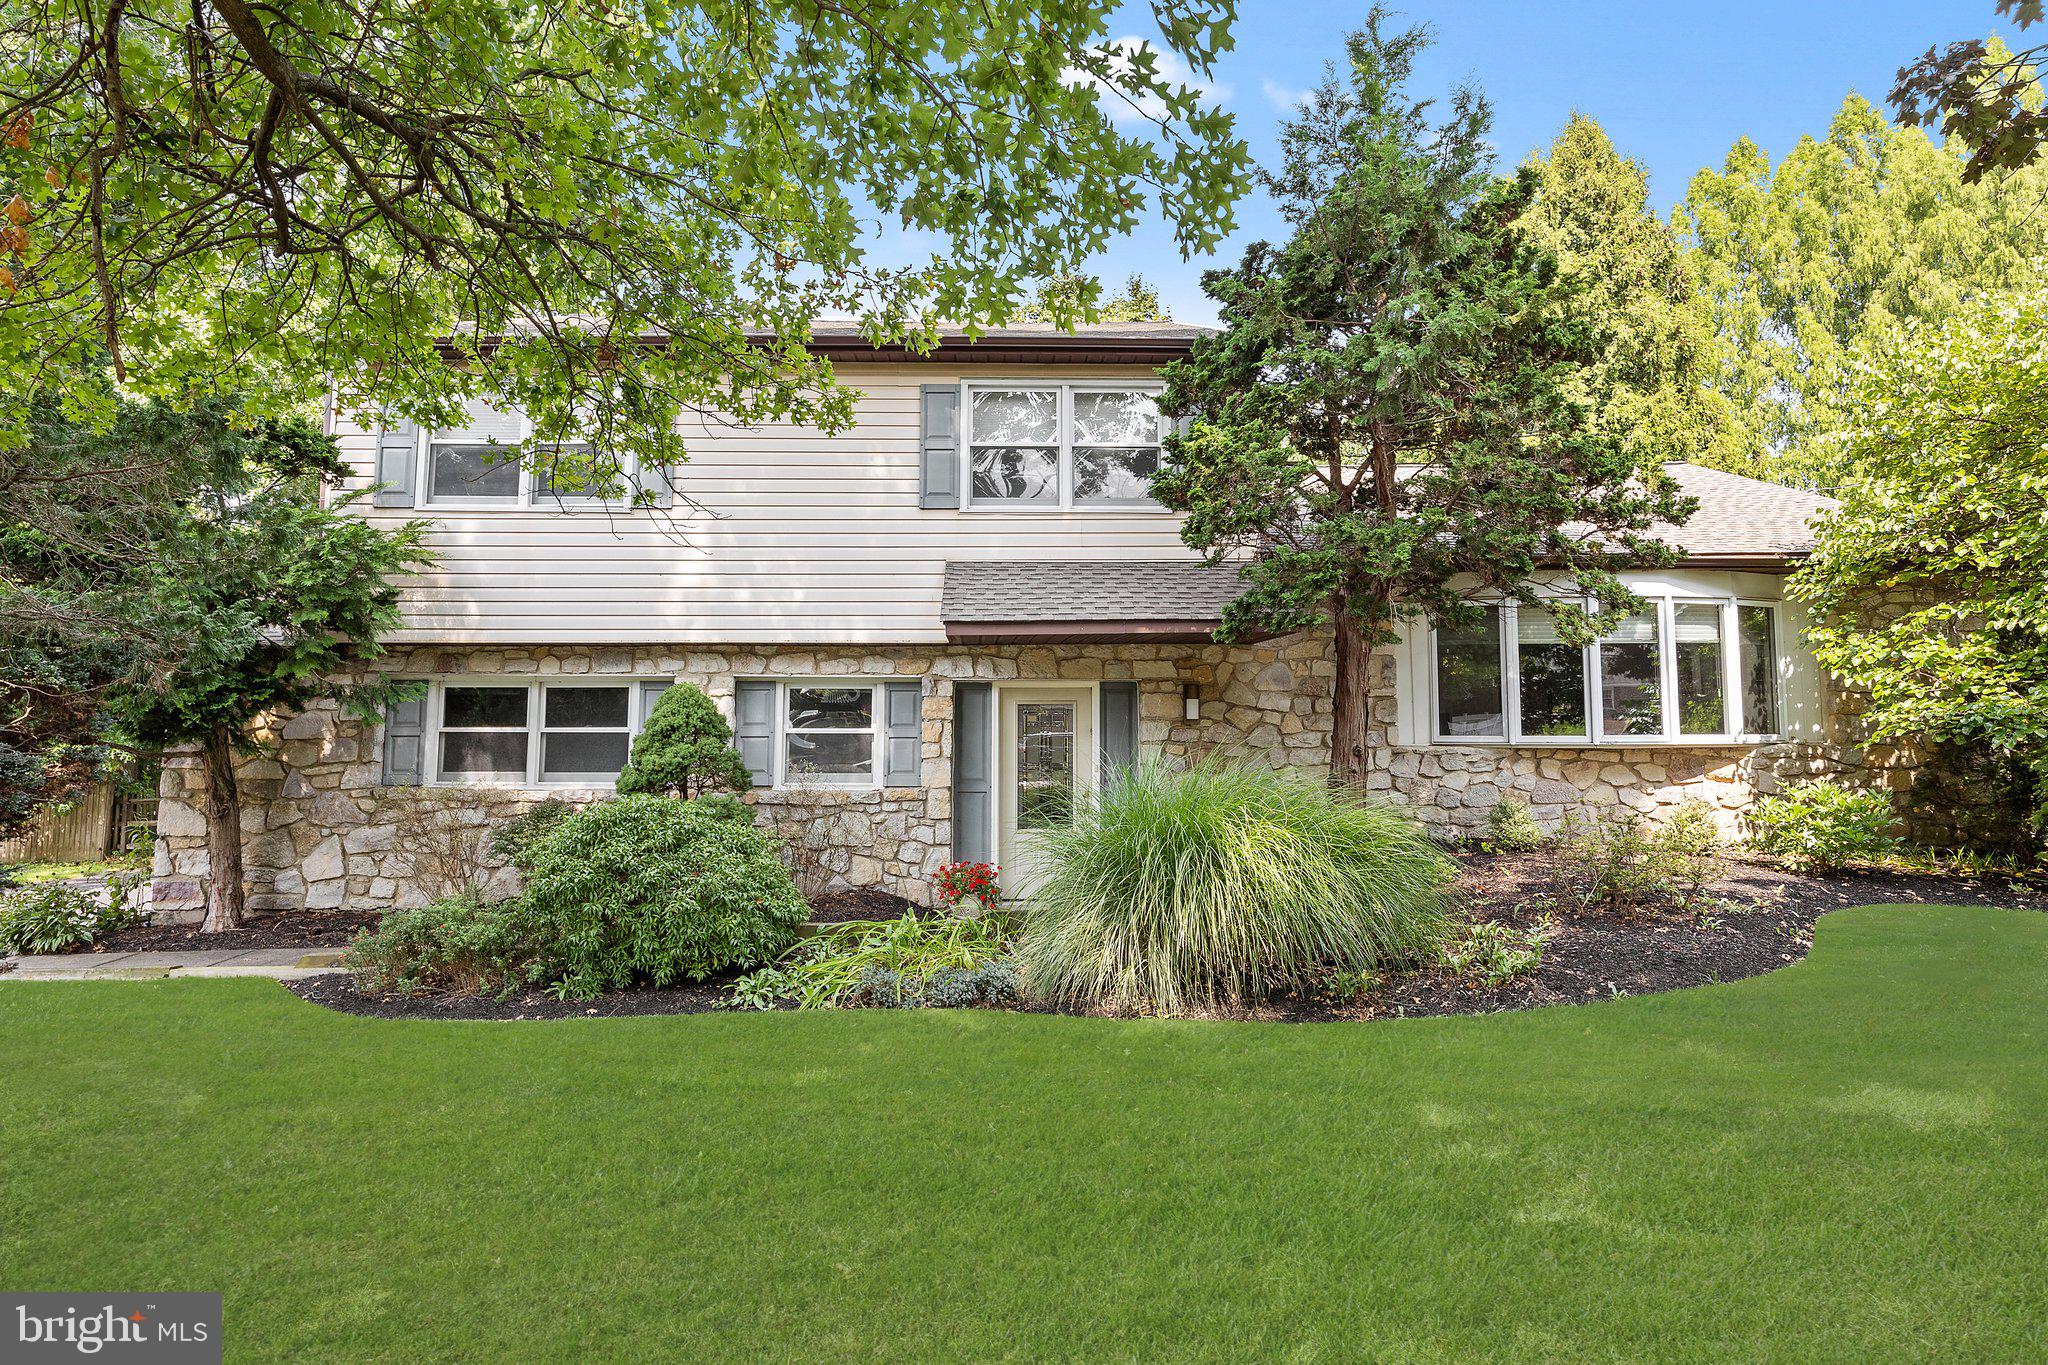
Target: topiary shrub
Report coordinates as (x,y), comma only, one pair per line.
(1824,826)
(685,750)
(1511,827)
(645,888)
(1174,891)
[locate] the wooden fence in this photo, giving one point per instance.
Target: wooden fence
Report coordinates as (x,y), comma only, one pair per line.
(102,823)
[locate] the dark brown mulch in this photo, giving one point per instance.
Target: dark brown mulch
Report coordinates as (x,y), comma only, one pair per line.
(286,929)
(837,907)
(1765,922)
(338,991)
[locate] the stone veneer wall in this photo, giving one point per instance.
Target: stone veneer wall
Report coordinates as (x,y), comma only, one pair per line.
(322,834)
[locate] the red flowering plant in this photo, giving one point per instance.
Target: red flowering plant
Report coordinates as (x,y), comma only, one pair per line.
(968,888)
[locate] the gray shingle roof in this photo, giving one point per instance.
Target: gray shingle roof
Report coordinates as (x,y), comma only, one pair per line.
(1740,517)
(1146,590)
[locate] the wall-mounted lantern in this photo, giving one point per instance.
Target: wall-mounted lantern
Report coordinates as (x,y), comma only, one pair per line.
(1191,701)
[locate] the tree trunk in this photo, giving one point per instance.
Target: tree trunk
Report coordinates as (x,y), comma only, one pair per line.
(226,899)
(1349,702)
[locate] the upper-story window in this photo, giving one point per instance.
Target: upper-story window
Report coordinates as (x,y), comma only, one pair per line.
(1049,446)
(1665,675)
(490,461)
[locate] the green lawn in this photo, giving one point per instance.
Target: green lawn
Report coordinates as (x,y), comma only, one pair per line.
(1845,1159)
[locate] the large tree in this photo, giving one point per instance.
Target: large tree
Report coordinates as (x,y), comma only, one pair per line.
(1985,96)
(1809,261)
(1064,298)
(169,577)
(221,193)
(1626,274)
(1393,420)
(1930,583)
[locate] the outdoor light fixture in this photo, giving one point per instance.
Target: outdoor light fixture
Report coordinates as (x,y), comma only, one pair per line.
(1191,701)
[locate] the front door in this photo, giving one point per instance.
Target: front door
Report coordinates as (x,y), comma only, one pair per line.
(1046,743)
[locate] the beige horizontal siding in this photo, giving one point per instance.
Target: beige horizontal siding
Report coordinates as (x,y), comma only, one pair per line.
(797,535)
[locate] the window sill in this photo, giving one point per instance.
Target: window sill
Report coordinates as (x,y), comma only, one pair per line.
(1627,742)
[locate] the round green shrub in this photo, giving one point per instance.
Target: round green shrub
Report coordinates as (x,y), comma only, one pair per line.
(646,888)
(1180,890)
(1511,827)
(685,750)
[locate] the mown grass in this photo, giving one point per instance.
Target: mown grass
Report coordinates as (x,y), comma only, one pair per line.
(1841,1160)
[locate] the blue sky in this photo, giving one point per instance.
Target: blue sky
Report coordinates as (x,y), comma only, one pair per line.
(1674,84)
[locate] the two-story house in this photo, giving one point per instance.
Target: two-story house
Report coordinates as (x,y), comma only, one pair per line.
(936,628)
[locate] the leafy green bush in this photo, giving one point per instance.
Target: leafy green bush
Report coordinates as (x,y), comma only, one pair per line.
(685,750)
(911,961)
(458,944)
(1511,827)
(1494,954)
(649,888)
(1179,890)
(1619,862)
(61,917)
(724,807)
(511,838)
(1824,825)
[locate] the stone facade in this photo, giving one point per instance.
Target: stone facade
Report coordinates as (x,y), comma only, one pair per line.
(321,833)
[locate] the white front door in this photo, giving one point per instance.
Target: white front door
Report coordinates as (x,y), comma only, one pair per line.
(1046,747)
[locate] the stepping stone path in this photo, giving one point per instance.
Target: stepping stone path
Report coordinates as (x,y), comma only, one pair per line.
(280,964)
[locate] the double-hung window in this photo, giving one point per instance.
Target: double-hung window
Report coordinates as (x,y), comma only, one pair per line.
(491,461)
(1681,670)
(830,735)
(1055,446)
(535,733)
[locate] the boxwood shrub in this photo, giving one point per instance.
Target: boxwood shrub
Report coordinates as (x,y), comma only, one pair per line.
(651,889)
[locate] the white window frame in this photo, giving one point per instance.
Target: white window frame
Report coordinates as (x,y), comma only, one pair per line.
(878,726)
(536,730)
(1663,607)
(531,498)
(1064,502)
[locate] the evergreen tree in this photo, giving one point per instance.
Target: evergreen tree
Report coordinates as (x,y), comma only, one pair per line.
(1626,273)
(1068,298)
(1393,420)
(684,750)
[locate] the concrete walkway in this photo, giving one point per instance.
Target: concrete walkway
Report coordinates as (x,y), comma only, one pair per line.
(281,964)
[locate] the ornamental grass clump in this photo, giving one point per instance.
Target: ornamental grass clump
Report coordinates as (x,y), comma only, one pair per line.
(1180,891)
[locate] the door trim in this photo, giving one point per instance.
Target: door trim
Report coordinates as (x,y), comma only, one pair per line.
(1005,690)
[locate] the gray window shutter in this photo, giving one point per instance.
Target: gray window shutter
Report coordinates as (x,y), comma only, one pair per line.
(903,715)
(939,428)
(754,709)
(650,693)
(1119,726)
(398,451)
(974,777)
(405,740)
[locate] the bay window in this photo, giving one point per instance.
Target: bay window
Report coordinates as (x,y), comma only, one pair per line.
(1053,446)
(1682,669)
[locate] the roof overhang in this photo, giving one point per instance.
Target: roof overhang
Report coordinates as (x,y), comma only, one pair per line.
(1157,632)
(993,348)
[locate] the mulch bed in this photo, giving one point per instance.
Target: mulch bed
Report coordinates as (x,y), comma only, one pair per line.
(1763,920)
(286,929)
(1767,924)
(837,907)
